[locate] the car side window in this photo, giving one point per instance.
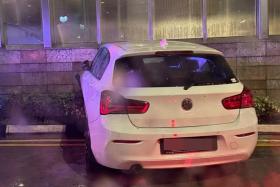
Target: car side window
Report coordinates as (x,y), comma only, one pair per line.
(95,58)
(100,63)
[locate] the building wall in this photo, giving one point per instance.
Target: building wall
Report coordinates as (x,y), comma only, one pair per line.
(256,63)
(43,71)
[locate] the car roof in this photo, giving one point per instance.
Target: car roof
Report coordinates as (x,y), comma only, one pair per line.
(148,47)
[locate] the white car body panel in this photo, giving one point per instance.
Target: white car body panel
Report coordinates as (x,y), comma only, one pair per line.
(147,153)
(155,124)
(165,106)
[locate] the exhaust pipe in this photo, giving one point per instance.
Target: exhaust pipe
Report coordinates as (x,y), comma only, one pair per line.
(134,169)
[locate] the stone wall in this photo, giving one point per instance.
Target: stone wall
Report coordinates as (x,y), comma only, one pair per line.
(44,71)
(256,63)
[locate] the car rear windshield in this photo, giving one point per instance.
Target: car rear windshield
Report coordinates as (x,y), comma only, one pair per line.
(172,71)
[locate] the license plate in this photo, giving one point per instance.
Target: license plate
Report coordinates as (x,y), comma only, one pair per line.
(187,145)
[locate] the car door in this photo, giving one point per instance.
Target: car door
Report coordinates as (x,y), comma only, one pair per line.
(91,83)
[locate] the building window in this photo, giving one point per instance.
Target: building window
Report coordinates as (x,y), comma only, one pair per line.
(74,21)
(123,20)
(231,18)
(274,17)
(177,19)
(22,22)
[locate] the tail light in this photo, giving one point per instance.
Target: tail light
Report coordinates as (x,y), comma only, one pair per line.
(243,100)
(113,103)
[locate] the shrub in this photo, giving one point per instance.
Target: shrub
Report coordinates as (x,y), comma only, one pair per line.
(64,107)
(265,108)
(72,104)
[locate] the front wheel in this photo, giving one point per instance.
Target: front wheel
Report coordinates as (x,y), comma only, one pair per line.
(91,163)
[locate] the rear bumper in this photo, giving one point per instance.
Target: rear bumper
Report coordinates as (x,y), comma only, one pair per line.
(146,152)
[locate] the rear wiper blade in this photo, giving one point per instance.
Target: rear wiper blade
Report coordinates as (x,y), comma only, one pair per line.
(191,84)
(186,87)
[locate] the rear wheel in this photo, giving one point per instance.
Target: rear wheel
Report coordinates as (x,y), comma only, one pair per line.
(134,170)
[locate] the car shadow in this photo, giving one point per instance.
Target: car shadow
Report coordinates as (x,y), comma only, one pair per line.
(241,174)
(106,177)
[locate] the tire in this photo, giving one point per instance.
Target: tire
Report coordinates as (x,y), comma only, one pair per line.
(2,131)
(91,163)
(133,171)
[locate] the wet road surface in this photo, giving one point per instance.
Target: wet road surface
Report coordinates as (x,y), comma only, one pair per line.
(33,161)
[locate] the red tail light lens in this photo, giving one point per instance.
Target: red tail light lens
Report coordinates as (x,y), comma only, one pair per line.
(247,99)
(113,103)
(243,100)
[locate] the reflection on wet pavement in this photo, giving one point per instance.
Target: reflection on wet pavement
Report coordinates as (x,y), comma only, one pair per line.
(65,166)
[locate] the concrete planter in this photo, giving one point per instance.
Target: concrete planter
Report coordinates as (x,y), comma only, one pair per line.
(273,118)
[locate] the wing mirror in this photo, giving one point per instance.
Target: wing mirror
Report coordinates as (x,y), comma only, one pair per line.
(86,65)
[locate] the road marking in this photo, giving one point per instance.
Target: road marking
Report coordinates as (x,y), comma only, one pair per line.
(80,143)
(44,140)
(82,140)
(42,145)
(268,140)
(268,143)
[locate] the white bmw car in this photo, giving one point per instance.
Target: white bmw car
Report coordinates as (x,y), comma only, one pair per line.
(166,105)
